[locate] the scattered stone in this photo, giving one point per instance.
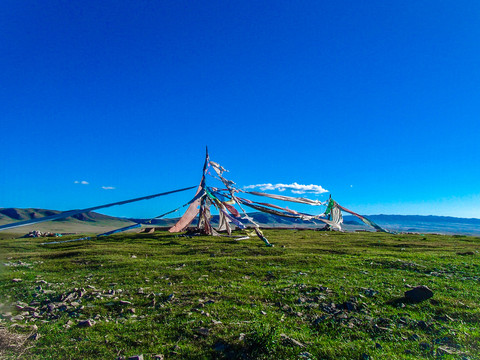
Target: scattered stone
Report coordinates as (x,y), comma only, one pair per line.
(134,257)
(86,323)
(441,351)
(419,293)
(203,331)
(241,337)
(170,297)
(68,324)
(136,357)
(305,355)
(159,357)
(370,292)
(34,337)
(124,302)
(16,280)
(349,306)
(320,319)
(445,318)
(291,341)
(20,306)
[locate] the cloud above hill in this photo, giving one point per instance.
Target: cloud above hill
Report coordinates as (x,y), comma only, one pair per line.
(294,188)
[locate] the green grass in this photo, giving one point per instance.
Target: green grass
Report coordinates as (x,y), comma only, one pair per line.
(338,294)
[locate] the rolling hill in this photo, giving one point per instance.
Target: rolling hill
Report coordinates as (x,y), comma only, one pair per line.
(93,222)
(90,222)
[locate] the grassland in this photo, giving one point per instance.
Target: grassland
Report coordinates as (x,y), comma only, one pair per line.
(315,295)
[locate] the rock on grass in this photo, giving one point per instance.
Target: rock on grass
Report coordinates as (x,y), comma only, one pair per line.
(419,293)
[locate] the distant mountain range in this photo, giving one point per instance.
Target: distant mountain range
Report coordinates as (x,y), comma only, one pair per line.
(90,222)
(96,223)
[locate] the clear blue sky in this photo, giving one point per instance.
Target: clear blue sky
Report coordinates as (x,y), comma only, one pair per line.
(378,102)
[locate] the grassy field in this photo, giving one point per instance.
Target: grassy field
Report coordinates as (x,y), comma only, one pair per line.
(315,295)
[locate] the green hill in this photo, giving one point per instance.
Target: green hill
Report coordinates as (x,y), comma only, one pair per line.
(90,222)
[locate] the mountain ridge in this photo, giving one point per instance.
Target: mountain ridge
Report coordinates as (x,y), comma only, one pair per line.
(97,222)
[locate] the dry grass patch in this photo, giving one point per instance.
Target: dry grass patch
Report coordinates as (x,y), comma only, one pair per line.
(11,344)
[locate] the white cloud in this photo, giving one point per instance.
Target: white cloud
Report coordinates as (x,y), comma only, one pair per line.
(294,188)
(82,182)
(108,187)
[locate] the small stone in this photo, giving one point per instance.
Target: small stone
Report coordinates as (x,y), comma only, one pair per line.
(370,292)
(159,357)
(86,323)
(16,280)
(125,302)
(320,319)
(203,331)
(136,357)
(305,355)
(349,306)
(419,293)
(68,324)
(291,341)
(442,351)
(34,336)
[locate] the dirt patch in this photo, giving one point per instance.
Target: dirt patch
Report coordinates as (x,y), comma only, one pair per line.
(11,344)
